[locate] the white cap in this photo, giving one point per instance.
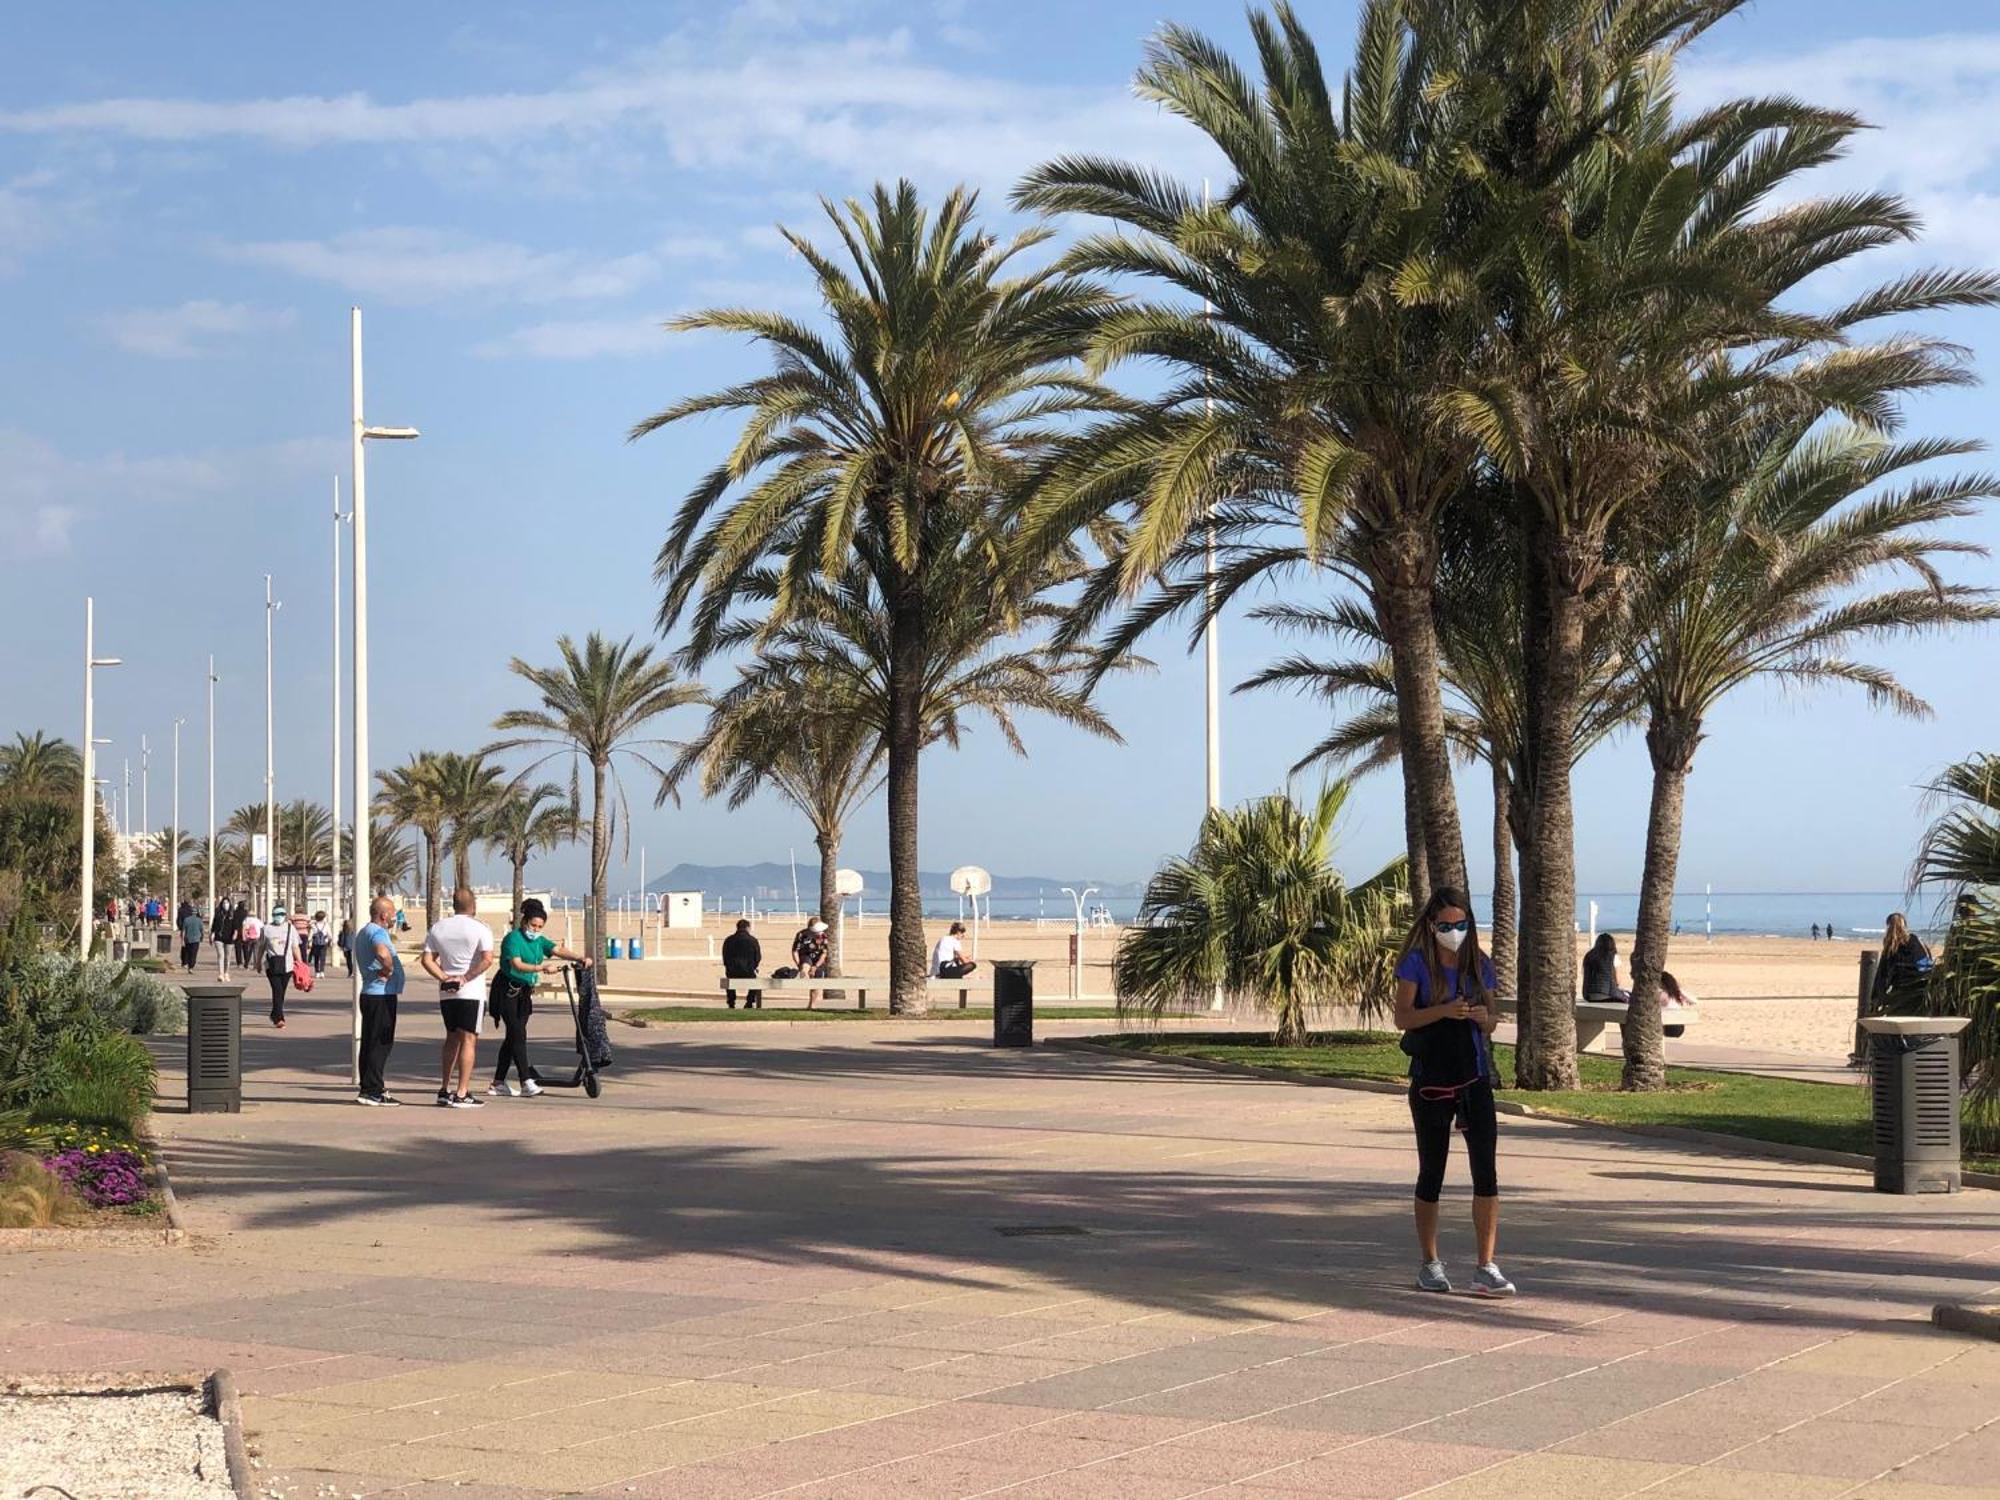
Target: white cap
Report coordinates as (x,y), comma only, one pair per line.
(818,925)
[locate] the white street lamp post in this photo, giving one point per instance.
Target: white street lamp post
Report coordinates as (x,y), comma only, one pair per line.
(271,607)
(1076,943)
(359,434)
(211,807)
(87,908)
(174,835)
(333,900)
(145,787)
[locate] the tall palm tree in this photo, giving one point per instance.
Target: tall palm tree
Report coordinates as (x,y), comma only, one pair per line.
(389,858)
(472,788)
(1634,281)
(411,797)
(896,444)
(1304,383)
(527,820)
(34,764)
(594,704)
(1258,909)
(1783,552)
(305,839)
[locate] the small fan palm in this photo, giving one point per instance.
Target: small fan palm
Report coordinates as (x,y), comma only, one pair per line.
(1258,909)
(526,821)
(1961,852)
(594,704)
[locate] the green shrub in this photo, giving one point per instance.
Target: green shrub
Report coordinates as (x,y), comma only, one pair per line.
(94,1078)
(122,996)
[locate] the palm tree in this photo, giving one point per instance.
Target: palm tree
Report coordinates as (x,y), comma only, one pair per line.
(593,705)
(1961,853)
(1304,385)
(1766,572)
(305,837)
(526,820)
(36,765)
(1258,909)
(895,445)
(471,788)
(389,858)
(411,798)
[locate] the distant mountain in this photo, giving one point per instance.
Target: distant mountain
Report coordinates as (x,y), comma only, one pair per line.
(771,882)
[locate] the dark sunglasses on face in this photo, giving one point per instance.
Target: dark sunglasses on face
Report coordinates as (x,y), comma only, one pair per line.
(1458,926)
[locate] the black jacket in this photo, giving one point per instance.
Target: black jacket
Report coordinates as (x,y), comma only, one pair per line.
(1904,969)
(741,955)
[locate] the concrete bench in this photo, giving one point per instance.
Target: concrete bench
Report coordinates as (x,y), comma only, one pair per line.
(980,982)
(1592,1016)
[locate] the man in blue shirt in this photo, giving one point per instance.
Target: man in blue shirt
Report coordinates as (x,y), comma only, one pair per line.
(381,982)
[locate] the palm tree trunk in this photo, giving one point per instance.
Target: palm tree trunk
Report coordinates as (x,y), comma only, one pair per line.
(907,994)
(1504,940)
(1413,840)
(600,863)
(461,863)
(433,859)
(1548,927)
(827,841)
(519,860)
(1671,746)
(1413,656)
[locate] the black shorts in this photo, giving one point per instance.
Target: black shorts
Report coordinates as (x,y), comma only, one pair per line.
(460,1014)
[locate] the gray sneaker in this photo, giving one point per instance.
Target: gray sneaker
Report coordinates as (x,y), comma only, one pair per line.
(1488,1281)
(1431,1277)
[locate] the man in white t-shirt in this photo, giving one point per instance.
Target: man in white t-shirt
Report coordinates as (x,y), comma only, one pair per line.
(458,952)
(948,960)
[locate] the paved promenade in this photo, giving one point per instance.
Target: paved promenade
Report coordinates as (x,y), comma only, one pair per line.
(884,1260)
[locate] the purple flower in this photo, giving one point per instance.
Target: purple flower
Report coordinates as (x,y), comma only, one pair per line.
(105,1179)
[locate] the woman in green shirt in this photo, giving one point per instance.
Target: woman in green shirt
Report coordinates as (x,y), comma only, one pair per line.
(525,956)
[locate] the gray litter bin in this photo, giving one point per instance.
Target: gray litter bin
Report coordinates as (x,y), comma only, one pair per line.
(163,943)
(1913,1068)
(1014,1002)
(215,1049)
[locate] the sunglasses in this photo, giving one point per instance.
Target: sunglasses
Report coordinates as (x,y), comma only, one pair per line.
(1459,926)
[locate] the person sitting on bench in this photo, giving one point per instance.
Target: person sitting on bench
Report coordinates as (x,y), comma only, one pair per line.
(948,960)
(1600,971)
(1673,998)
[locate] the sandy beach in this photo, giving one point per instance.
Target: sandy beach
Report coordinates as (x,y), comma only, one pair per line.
(1788,995)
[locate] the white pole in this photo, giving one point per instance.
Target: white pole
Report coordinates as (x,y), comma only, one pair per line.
(211,810)
(87,909)
(798,909)
(145,787)
(174,836)
(840,935)
(270,741)
(1708,911)
(333,898)
(363,819)
(1593,922)
(125,802)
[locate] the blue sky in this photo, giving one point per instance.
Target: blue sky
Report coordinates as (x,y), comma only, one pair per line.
(192,195)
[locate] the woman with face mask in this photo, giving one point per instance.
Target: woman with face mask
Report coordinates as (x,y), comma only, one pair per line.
(1444,1008)
(526,954)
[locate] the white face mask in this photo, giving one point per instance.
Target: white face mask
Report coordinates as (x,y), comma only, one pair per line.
(1450,940)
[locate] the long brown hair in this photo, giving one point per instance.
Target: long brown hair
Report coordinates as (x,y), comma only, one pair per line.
(1895,933)
(1471,957)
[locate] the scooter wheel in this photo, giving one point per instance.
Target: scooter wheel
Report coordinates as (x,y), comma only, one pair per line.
(592,1087)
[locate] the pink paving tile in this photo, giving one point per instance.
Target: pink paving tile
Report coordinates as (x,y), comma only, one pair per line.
(1376,1469)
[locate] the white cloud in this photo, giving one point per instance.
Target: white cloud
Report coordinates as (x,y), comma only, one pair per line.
(407,265)
(33,216)
(581,339)
(45,493)
(190,330)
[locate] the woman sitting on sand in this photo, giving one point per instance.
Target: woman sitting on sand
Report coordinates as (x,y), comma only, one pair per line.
(1600,971)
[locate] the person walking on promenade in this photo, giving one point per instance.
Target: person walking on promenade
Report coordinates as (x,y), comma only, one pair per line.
(526,954)
(248,931)
(948,960)
(381,983)
(190,925)
(811,953)
(322,939)
(457,954)
(742,956)
(279,946)
(1444,1008)
(346,941)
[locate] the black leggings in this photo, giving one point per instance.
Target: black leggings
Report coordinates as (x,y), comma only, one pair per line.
(280,974)
(513,1004)
(1434,1118)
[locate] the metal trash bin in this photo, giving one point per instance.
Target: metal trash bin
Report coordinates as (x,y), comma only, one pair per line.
(1913,1069)
(163,943)
(1014,1002)
(215,1049)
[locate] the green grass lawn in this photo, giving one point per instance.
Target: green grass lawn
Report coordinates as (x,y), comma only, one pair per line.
(843,1010)
(1831,1115)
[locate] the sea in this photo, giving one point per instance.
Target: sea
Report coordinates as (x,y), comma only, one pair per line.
(1852,916)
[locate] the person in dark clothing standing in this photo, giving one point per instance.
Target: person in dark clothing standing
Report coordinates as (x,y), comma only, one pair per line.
(742,955)
(190,926)
(1905,963)
(381,982)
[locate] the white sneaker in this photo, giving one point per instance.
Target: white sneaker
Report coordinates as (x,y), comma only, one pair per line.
(531,1088)
(501,1091)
